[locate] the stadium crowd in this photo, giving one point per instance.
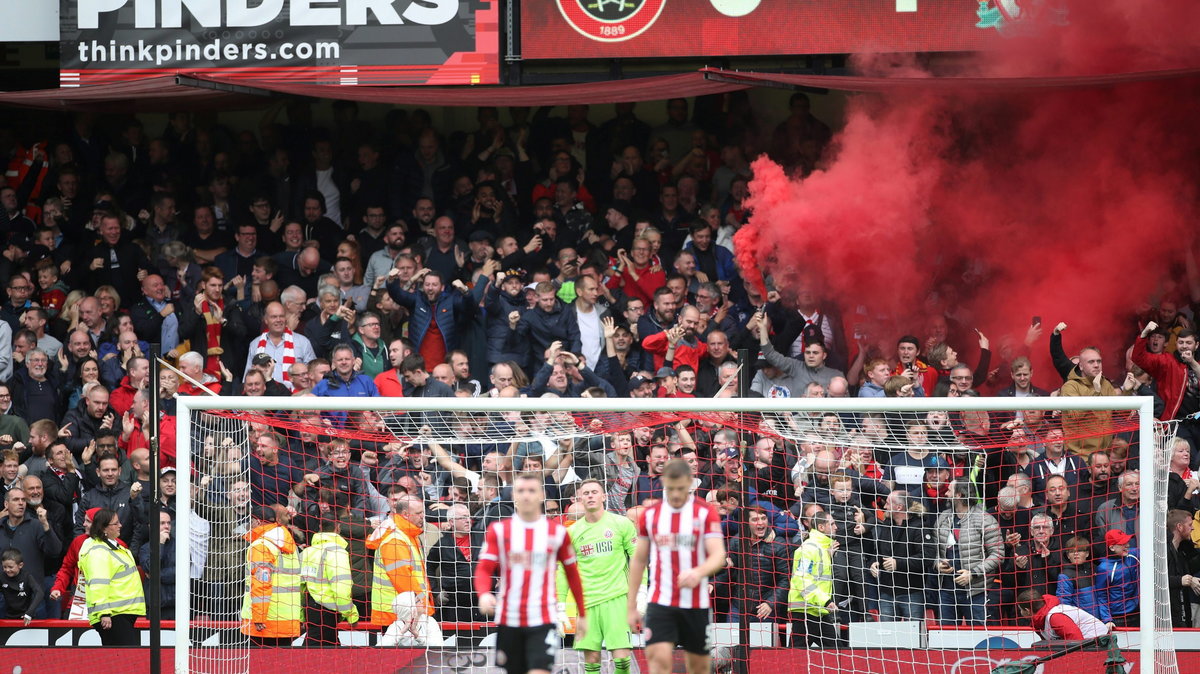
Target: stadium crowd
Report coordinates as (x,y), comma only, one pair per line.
(553,256)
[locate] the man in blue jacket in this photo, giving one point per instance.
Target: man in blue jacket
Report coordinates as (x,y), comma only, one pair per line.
(437,312)
(1117,579)
(344,381)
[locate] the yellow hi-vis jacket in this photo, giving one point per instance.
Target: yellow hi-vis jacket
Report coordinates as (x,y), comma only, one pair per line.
(272,585)
(812,575)
(114,585)
(325,571)
(399,567)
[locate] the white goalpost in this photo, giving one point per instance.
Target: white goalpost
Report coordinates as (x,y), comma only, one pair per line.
(196,649)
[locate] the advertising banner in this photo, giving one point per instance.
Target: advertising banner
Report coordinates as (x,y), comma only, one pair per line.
(370,42)
(584,29)
(861,661)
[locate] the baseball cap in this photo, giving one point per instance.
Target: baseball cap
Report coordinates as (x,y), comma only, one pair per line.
(261,359)
(1116,537)
(637,381)
(664,372)
(166,469)
(482,235)
(730,453)
(623,207)
(937,462)
(20,241)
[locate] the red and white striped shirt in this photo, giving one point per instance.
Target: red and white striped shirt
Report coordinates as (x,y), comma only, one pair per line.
(676,545)
(527,554)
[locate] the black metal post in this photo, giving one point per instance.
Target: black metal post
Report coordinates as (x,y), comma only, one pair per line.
(154,601)
(746,373)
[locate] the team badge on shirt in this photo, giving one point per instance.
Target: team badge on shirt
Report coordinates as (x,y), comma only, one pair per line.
(610,20)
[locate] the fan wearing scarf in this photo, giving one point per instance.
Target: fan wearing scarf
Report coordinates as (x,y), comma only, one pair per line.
(210,305)
(285,347)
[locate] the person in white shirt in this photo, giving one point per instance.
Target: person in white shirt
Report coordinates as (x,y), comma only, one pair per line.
(588,315)
(284,346)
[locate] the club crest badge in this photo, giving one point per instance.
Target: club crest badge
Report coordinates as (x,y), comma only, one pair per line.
(1020,17)
(610,20)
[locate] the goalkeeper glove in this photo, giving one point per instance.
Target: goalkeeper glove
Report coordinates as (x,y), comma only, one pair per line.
(563,621)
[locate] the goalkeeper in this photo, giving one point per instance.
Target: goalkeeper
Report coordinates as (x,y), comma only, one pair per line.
(604,542)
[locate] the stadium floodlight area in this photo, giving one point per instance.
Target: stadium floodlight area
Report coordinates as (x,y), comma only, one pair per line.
(457,450)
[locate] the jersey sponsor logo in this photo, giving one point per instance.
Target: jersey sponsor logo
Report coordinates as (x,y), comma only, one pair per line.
(610,20)
(675,541)
(525,558)
(597,548)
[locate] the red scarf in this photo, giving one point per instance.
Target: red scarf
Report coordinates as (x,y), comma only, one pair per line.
(289,353)
(212,328)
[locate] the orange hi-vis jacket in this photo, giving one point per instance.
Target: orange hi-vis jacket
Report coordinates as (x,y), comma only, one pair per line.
(273,592)
(399,567)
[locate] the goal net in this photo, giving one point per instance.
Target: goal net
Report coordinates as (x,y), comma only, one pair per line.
(862,535)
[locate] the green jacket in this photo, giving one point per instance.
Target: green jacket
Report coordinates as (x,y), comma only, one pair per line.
(114,585)
(374,360)
(812,575)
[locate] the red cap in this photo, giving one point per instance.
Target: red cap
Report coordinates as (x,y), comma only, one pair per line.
(1116,537)
(91,512)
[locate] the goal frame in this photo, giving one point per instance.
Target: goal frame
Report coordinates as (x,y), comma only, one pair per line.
(188,406)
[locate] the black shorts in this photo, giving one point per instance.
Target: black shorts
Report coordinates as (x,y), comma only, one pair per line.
(520,649)
(688,628)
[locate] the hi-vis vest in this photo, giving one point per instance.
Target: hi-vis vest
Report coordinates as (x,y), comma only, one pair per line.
(1088,624)
(812,575)
(114,586)
(399,567)
(325,571)
(272,585)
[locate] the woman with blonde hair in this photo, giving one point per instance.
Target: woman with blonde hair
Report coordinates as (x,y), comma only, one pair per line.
(109,299)
(70,309)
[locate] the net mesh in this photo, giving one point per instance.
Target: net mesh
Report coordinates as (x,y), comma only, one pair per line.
(217,523)
(1015,499)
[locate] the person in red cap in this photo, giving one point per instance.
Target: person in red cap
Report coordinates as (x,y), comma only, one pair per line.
(1056,621)
(68,573)
(1117,579)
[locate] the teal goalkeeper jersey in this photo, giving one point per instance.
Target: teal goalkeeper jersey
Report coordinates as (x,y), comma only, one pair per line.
(603,550)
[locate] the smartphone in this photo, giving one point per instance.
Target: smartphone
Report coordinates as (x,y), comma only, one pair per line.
(1037,320)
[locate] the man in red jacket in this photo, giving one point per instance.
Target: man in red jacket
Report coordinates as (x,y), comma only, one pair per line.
(679,343)
(1055,621)
(1178,378)
(1176,373)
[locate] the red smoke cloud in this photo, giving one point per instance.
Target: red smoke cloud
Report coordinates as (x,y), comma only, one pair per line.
(1069,204)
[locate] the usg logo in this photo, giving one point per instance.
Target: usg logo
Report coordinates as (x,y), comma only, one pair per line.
(610,20)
